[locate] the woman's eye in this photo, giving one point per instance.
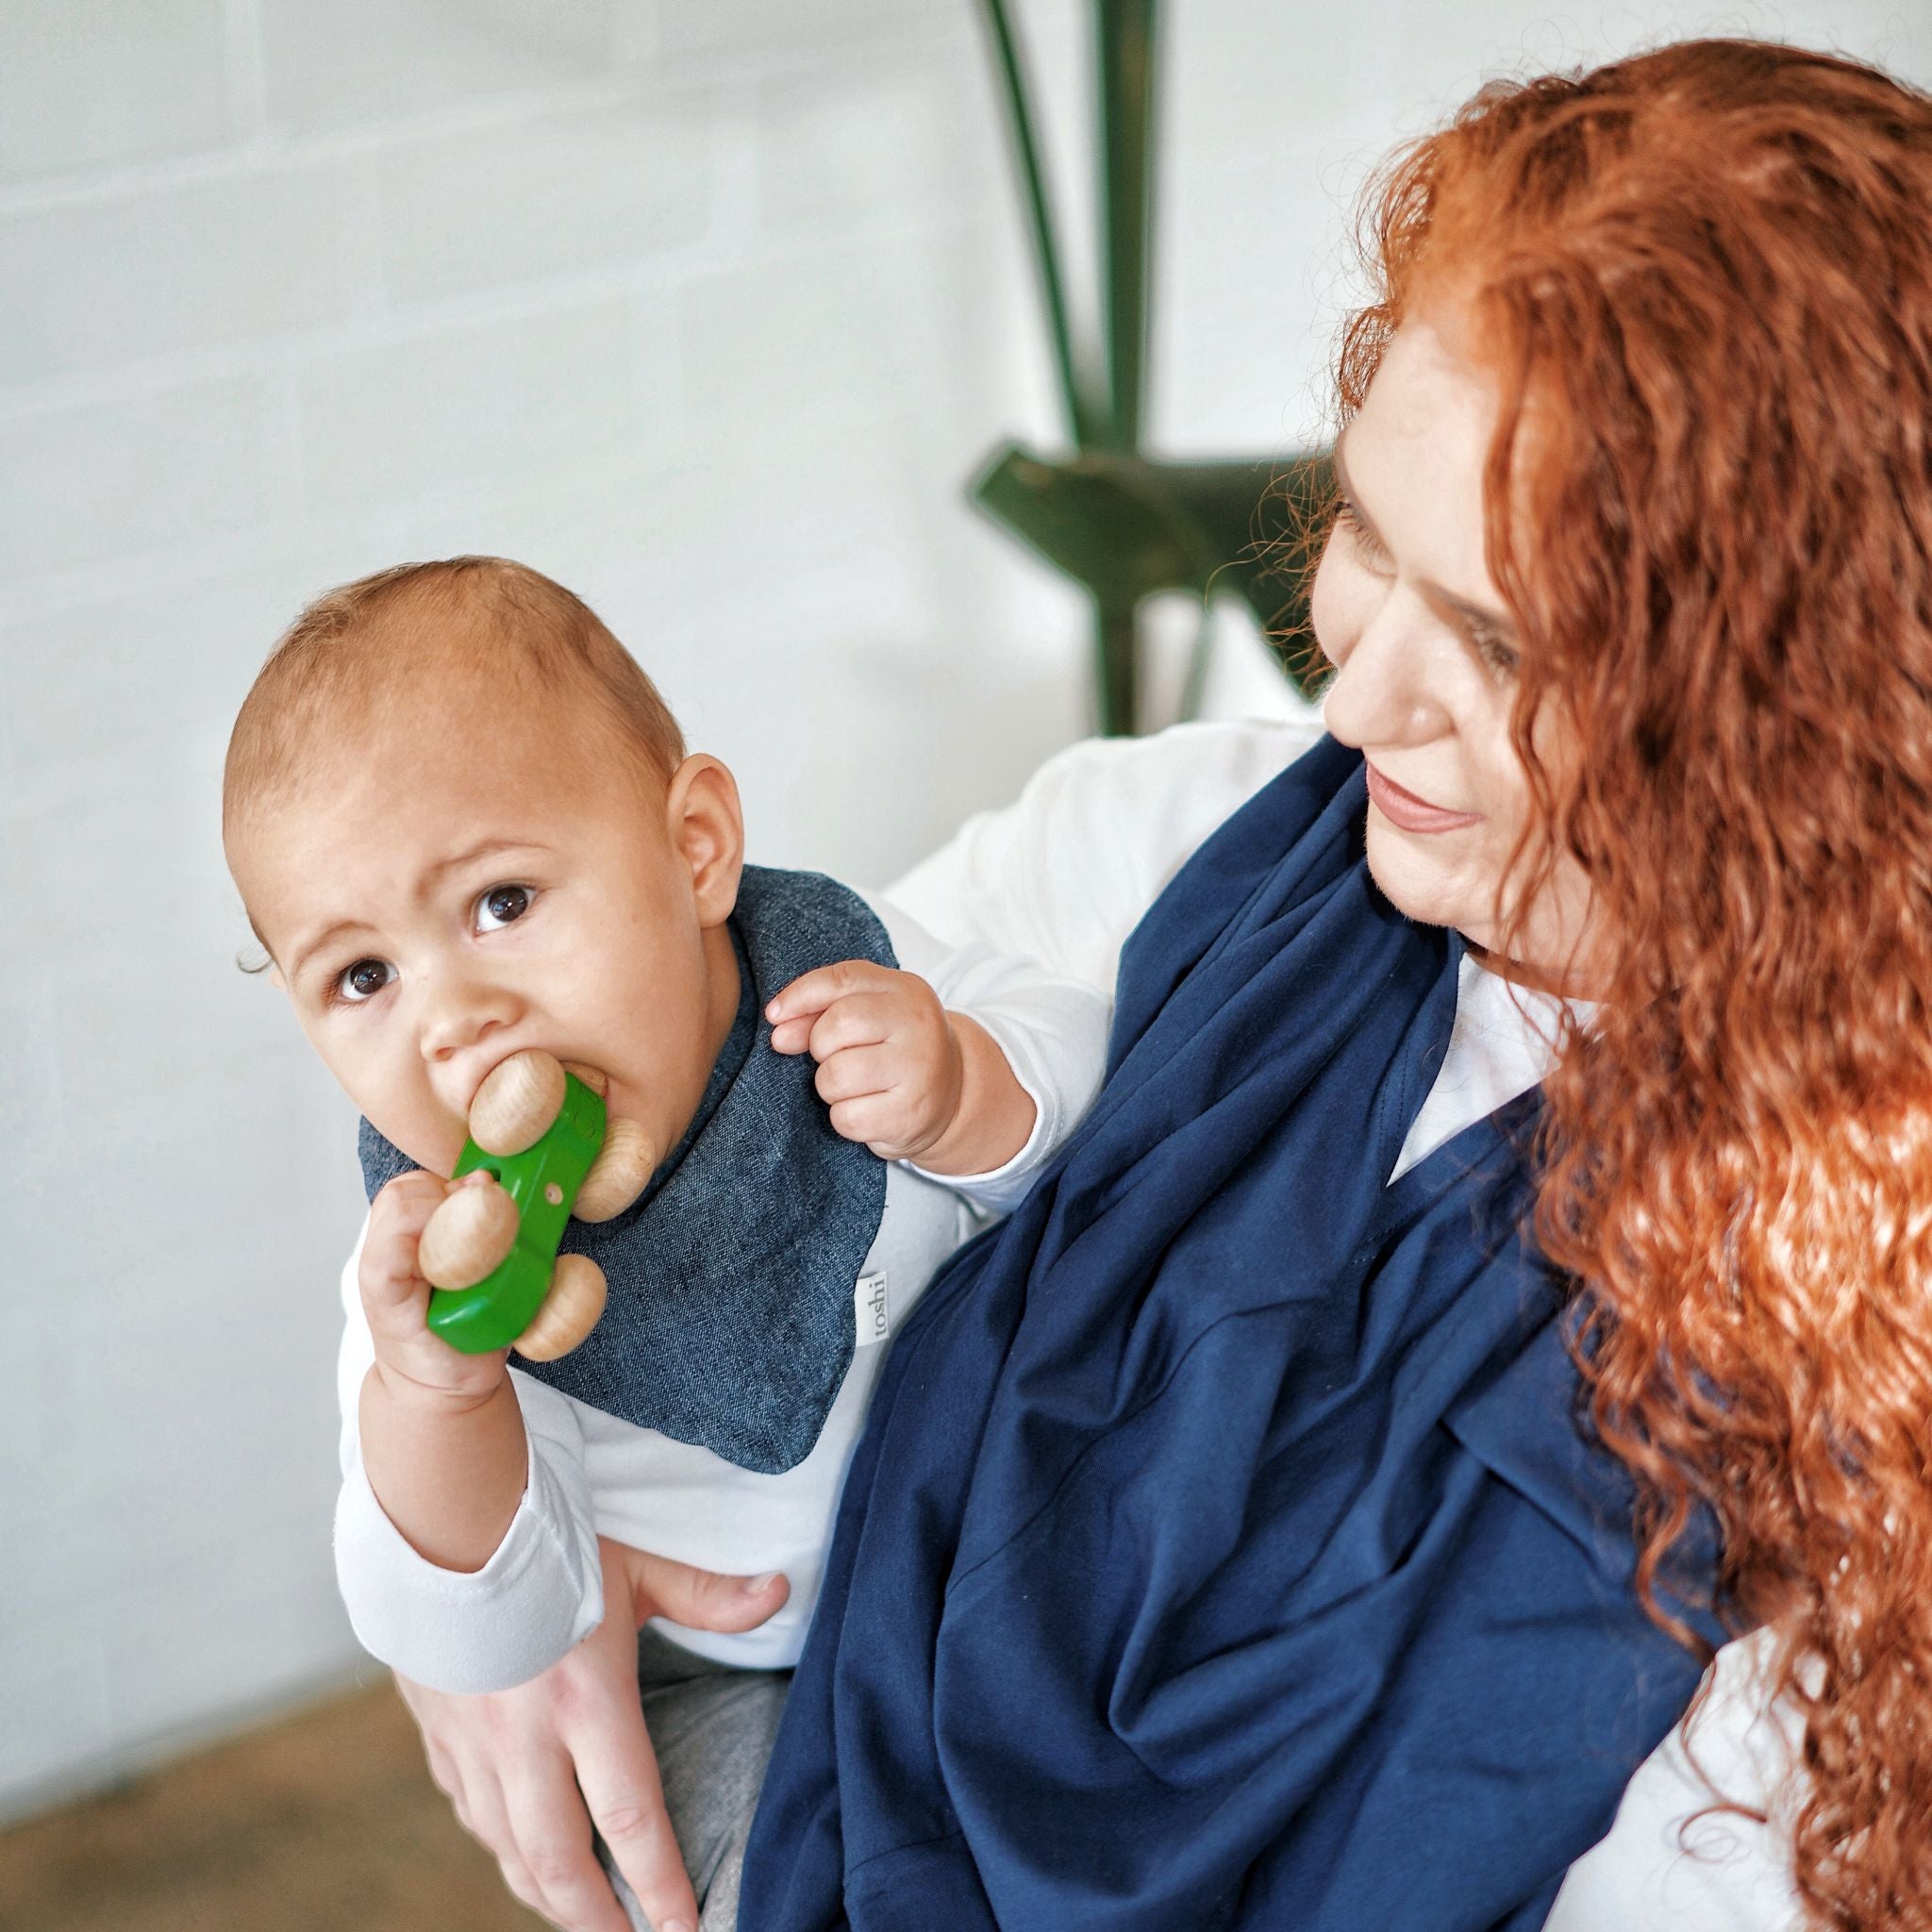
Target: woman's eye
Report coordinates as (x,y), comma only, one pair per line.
(1498,656)
(500,905)
(363,980)
(1349,519)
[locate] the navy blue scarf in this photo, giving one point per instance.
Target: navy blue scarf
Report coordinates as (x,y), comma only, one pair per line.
(730,1322)
(1223,1549)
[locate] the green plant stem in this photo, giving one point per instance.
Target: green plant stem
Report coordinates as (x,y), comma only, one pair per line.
(1081,426)
(1124,35)
(1199,659)
(1116,668)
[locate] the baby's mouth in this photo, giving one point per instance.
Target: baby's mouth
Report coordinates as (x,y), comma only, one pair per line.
(593,1077)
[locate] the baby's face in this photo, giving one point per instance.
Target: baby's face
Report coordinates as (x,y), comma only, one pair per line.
(477,884)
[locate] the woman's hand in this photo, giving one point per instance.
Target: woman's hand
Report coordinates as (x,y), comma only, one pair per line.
(530,1771)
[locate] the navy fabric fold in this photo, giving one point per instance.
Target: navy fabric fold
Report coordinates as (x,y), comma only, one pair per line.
(1223,1549)
(729,1321)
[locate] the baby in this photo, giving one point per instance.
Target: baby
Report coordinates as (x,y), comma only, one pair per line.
(464,824)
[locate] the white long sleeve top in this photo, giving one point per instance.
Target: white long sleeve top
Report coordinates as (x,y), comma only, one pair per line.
(1062,876)
(591,1474)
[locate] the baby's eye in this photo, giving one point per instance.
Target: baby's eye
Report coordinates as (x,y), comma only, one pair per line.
(363,980)
(500,905)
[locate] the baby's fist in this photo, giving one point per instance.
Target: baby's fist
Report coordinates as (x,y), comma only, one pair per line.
(890,1061)
(395,1295)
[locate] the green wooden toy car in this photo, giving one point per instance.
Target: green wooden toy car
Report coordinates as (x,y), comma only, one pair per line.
(542,1182)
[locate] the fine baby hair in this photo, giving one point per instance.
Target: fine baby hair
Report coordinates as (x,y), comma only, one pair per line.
(358,653)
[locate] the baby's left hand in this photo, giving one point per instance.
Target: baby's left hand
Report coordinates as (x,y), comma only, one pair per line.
(890,1059)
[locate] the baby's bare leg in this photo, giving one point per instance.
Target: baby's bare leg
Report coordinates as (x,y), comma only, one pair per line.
(711,1727)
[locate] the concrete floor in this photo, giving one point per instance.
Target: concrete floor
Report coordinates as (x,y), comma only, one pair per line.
(324,1823)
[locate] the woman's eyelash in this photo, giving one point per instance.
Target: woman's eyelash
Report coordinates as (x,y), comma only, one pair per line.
(1350,519)
(1492,650)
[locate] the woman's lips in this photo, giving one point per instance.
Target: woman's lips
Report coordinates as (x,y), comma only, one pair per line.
(1408,813)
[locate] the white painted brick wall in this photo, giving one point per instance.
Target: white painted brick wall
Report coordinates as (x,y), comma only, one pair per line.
(579,191)
(159,468)
(96,278)
(709,310)
(102,83)
(371,61)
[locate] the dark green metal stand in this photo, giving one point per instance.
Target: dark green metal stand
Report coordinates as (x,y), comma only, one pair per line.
(1119,523)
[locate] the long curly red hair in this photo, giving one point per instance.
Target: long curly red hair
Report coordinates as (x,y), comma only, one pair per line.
(1702,280)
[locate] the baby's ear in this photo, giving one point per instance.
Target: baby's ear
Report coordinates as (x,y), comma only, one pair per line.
(706,826)
(275,976)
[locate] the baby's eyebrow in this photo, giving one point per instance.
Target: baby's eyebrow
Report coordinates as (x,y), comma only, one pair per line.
(322,939)
(483,848)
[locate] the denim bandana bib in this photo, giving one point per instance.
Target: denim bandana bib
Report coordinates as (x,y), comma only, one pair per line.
(730,1323)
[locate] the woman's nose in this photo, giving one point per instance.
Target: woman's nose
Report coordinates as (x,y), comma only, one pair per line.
(1383,692)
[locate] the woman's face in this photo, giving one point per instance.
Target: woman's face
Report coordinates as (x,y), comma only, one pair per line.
(1424,659)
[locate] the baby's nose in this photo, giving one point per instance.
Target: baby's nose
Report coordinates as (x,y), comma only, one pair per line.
(462,1015)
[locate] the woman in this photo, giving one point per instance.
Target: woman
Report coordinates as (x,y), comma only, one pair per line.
(1305,1509)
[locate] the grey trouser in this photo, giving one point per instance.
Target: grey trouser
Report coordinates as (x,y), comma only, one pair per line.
(712,1727)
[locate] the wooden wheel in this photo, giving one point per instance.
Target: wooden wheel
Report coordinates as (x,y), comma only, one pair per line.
(618,1174)
(517,1102)
(568,1312)
(468,1236)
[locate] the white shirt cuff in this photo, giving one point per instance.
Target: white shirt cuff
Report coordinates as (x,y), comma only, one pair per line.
(1080,1048)
(540,1592)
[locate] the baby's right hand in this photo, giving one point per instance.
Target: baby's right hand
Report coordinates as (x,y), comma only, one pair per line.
(395,1297)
